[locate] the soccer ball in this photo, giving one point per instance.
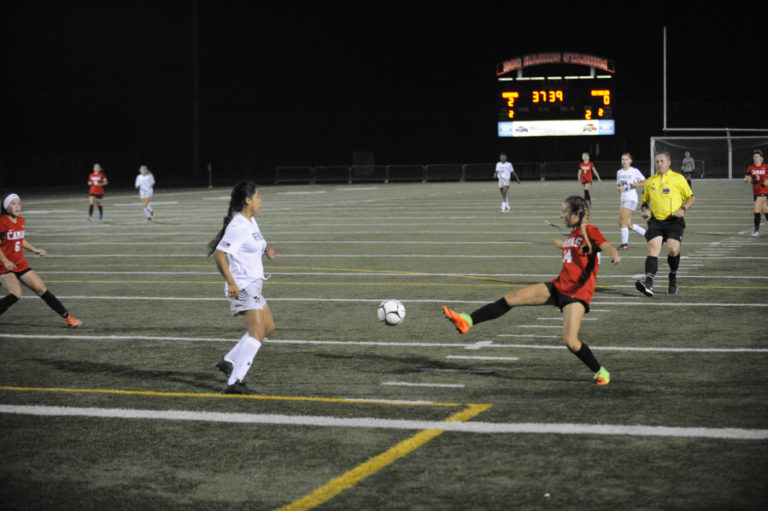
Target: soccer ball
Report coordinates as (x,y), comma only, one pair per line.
(391,312)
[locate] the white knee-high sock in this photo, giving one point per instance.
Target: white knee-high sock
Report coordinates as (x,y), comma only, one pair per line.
(245,356)
(232,355)
(624,235)
(639,230)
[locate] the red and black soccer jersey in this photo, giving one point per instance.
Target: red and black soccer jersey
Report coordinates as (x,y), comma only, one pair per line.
(97,180)
(586,171)
(759,177)
(579,273)
(12,242)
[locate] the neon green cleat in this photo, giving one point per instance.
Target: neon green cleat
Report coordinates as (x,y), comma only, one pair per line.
(462,321)
(602,377)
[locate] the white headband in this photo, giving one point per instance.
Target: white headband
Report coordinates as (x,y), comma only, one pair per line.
(8,200)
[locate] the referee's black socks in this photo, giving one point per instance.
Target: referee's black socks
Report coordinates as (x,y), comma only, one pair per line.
(651,266)
(674,263)
(491,311)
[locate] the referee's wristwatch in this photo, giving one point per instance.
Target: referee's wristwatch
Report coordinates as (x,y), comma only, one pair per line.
(683,208)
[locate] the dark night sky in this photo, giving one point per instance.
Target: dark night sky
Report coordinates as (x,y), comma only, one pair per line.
(309,83)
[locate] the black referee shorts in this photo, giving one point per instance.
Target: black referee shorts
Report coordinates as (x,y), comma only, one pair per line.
(671,228)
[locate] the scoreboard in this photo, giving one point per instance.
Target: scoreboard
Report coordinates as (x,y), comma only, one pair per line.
(555,106)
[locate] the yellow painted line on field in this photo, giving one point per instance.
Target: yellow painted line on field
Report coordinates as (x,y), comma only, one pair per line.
(227,396)
(373,465)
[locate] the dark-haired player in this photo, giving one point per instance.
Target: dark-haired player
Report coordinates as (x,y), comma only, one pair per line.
(571,291)
(97,180)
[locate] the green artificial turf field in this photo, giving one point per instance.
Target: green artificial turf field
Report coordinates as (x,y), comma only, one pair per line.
(126,412)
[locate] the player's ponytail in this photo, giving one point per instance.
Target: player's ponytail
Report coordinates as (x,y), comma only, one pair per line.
(578,206)
(241,191)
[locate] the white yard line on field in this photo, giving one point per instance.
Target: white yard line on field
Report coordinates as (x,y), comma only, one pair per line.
(402,424)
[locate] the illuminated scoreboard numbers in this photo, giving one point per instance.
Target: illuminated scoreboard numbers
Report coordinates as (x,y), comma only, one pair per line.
(510,97)
(547,96)
(601,109)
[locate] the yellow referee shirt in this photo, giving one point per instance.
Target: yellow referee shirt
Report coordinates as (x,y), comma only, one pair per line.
(666,193)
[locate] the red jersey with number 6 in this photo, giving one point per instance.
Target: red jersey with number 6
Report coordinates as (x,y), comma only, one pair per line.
(12,242)
(586,171)
(759,178)
(579,273)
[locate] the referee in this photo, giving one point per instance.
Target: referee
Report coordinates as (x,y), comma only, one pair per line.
(666,197)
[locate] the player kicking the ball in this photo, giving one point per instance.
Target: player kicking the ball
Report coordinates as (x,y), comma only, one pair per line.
(571,291)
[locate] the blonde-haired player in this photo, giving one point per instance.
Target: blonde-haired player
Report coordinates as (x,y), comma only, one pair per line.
(145,184)
(627,179)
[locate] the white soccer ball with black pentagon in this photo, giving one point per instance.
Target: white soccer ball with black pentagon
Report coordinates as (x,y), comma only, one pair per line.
(391,312)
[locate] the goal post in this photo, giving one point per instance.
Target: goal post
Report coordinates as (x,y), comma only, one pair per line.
(715,157)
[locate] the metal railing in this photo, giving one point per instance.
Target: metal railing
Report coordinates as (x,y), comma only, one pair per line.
(434,172)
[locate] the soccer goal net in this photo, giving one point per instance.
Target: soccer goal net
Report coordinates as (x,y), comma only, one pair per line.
(721,157)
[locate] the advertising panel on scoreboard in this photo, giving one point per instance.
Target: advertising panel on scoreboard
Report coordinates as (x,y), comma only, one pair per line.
(565,128)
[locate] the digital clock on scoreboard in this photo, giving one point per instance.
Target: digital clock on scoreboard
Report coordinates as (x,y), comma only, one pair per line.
(561,108)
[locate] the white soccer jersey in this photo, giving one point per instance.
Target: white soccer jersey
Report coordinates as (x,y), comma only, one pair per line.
(504,170)
(145,183)
(625,179)
(244,245)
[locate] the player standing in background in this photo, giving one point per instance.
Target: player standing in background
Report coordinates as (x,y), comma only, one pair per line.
(757,173)
(571,291)
(97,181)
(669,197)
(586,169)
(627,179)
(13,265)
(238,249)
(145,183)
(504,172)
(689,165)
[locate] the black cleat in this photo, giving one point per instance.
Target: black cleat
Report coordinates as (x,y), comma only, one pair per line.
(672,289)
(237,388)
(624,246)
(644,288)
(225,366)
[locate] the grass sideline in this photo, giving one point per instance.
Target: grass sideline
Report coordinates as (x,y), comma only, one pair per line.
(89,417)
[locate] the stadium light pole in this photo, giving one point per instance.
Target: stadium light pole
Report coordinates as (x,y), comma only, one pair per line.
(664,75)
(195,94)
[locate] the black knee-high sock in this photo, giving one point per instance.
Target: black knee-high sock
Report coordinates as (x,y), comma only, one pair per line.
(90,210)
(757,220)
(651,265)
(585,355)
(7,301)
(101,210)
(54,304)
(674,263)
(586,196)
(491,311)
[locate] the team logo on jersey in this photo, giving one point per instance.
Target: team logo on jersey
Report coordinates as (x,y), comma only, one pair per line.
(665,191)
(257,236)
